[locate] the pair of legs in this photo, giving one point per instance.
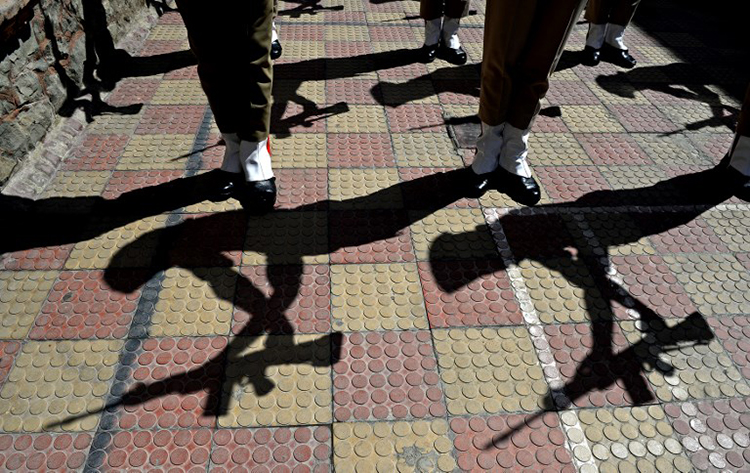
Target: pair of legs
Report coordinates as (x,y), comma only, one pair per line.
(608,20)
(523,40)
(231,41)
(442,18)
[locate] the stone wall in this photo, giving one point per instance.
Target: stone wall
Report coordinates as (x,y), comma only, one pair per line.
(55,56)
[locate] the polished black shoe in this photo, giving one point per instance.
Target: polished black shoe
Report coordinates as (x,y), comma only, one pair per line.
(222,184)
(618,57)
(276,49)
(730,178)
(257,197)
(473,185)
(523,190)
(428,53)
(591,56)
(454,56)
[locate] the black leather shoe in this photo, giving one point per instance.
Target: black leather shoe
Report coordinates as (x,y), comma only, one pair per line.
(523,190)
(275,49)
(453,56)
(257,197)
(618,57)
(474,185)
(428,53)
(223,184)
(591,56)
(731,178)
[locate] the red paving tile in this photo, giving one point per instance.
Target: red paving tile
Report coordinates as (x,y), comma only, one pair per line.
(276,449)
(613,149)
(368,238)
(165,450)
(468,293)
(353,91)
(734,333)
(82,304)
(44,452)
(567,183)
(346,49)
(130,91)
(97,152)
(8,352)
(289,297)
(391,375)
(564,92)
(546,124)
(161,46)
(201,241)
(643,118)
(126,181)
(420,118)
(301,187)
(695,236)
(360,150)
(44,258)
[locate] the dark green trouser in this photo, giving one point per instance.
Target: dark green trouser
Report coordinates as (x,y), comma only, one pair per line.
(523,40)
(232,41)
(617,12)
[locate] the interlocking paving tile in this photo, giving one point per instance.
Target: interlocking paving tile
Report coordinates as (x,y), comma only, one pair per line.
(131,91)
(278,380)
(717,284)
(401,34)
(349,189)
(171,119)
(372,236)
(8,352)
(628,439)
(58,383)
(714,434)
(131,245)
(301,187)
(703,118)
(532,444)
(551,232)
(613,149)
(291,299)
(450,234)
(643,118)
(731,226)
(563,290)
(596,365)
(275,449)
(179,92)
(613,91)
(589,119)
(145,152)
(36,259)
(425,149)
(416,91)
(377,296)
(426,118)
(695,236)
(489,371)
(744,258)
(171,383)
(400,446)
(359,119)
(566,183)
(284,90)
(683,361)
(167,32)
(403,73)
(545,124)
(114,124)
(292,32)
(22,295)
(82,304)
(360,150)
(346,49)
(468,293)
(353,91)
(180,450)
(43,452)
(497,199)
(125,181)
(556,149)
(391,375)
(76,184)
(568,92)
(437,180)
(617,234)
(669,150)
(287,237)
(733,333)
(198,242)
(460,92)
(96,152)
(346,33)
(303,150)
(194,302)
(714,145)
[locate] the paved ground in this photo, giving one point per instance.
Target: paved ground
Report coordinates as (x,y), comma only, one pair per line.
(375,322)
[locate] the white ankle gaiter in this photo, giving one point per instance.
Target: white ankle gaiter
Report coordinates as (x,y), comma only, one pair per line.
(614,36)
(231,161)
(596,35)
(432,31)
(274,33)
(515,150)
(740,159)
(450,33)
(255,157)
(489,145)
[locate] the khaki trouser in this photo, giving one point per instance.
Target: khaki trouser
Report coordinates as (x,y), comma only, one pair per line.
(232,41)
(431,9)
(523,40)
(617,12)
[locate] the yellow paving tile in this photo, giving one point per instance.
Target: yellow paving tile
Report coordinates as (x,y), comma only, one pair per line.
(359,119)
(156,152)
(425,150)
(22,294)
(301,150)
(287,237)
(347,184)
(453,234)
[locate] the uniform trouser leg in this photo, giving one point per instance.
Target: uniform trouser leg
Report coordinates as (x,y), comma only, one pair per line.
(523,39)
(617,12)
(231,40)
(432,9)
(740,152)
